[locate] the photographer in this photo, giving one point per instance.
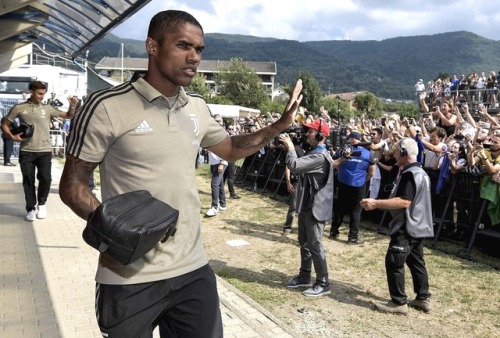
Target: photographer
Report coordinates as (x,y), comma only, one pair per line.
(291,179)
(355,167)
(314,201)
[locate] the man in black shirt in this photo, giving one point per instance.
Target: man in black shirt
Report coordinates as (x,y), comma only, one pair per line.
(409,204)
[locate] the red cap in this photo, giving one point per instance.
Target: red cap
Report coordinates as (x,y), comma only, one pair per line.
(325,128)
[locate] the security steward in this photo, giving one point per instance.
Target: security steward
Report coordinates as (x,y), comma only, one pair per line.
(409,204)
(355,167)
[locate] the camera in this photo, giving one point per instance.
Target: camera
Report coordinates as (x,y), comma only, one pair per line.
(348,151)
(296,134)
(56,103)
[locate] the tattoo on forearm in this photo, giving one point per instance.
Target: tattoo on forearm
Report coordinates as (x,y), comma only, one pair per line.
(254,140)
(73,188)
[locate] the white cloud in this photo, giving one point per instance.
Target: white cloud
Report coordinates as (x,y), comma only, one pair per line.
(328,19)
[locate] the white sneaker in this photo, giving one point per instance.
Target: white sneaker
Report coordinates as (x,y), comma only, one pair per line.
(30,217)
(222,208)
(42,212)
(212,212)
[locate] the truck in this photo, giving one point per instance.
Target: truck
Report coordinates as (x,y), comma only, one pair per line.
(61,83)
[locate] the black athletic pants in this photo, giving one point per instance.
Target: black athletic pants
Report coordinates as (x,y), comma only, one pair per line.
(42,163)
(184,306)
(8,146)
(405,249)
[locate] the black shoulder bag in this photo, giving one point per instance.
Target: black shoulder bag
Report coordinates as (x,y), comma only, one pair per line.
(127,226)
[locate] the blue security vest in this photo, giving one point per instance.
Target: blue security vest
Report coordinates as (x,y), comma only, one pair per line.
(353,170)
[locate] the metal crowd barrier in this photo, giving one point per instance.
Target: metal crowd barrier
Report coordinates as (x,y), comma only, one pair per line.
(263,172)
(5,106)
(58,142)
(57,137)
(463,189)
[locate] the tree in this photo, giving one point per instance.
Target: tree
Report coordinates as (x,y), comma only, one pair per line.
(240,84)
(311,92)
(336,107)
(443,76)
(198,85)
(276,106)
(402,109)
(219,99)
(368,103)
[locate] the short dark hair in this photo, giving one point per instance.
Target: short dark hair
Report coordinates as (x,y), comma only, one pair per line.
(441,133)
(166,21)
(34,85)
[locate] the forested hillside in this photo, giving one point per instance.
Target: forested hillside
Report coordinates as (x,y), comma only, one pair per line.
(387,68)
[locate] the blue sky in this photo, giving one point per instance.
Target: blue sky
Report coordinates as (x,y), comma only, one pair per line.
(315,20)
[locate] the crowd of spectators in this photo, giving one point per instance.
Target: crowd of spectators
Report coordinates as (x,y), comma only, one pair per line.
(474,87)
(459,141)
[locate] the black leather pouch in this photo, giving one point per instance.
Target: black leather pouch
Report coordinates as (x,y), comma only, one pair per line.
(26,130)
(127,226)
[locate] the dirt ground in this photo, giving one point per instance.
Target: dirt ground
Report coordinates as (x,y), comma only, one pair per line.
(466,294)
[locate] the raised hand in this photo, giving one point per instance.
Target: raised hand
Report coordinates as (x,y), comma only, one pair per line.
(293,104)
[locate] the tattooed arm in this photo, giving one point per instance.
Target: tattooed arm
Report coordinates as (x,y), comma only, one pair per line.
(239,146)
(74,187)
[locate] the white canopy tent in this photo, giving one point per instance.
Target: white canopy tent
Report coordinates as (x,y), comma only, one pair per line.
(234,111)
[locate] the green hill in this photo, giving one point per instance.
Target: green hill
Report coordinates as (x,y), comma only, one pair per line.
(387,68)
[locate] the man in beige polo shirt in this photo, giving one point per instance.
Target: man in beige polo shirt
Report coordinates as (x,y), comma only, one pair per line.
(145,134)
(35,156)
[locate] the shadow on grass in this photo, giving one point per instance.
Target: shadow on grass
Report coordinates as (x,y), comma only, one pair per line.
(273,232)
(273,279)
(455,249)
(266,231)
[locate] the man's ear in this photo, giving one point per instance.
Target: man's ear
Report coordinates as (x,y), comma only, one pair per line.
(151,46)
